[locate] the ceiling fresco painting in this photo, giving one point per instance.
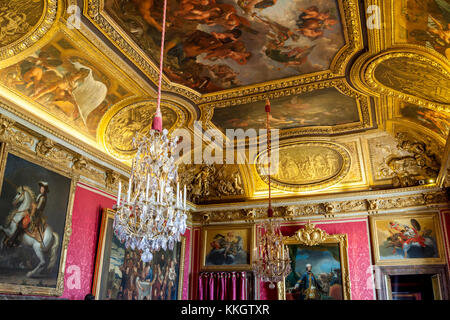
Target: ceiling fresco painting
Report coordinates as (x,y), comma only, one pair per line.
(213,45)
(433,120)
(340,92)
(67,83)
(423,22)
(326,107)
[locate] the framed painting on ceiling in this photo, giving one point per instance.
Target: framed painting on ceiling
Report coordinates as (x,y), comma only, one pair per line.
(227,247)
(407,239)
(120,274)
(35,223)
(319,266)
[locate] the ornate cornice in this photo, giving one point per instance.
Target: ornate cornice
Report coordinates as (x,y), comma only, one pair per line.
(48,151)
(327,209)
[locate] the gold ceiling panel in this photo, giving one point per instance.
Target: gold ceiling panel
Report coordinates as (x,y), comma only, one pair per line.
(320,108)
(307,166)
(127,118)
(130,36)
(26,26)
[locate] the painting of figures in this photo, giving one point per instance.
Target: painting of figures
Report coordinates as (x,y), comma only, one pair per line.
(436,121)
(121,274)
(227,248)
(326,107)
(34,203)
(66,83)
(316,273)
(213,45)
(407,239)
(425,22)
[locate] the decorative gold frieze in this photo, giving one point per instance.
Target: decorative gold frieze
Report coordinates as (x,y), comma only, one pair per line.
(328,209)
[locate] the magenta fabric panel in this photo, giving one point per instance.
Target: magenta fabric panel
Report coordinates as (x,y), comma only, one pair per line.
(223,286)
(200,287)
(243,287)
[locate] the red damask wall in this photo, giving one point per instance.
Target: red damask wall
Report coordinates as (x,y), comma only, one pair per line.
(359,256)
(86,218)
(81,253)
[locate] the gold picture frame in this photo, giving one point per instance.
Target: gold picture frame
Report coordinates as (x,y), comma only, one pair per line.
(106,234)
(218,235)
(311,236)
(65,228)
(380,225)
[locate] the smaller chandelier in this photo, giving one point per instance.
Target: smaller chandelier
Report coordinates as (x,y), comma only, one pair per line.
(153,216)
(273,263)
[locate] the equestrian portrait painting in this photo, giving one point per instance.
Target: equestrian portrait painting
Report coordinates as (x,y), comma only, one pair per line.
(405,239)
(35,206)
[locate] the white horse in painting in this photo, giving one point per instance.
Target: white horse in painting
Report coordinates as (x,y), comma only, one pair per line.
(48,248)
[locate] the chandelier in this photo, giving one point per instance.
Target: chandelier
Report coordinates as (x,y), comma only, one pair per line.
(153,215)
(273,263)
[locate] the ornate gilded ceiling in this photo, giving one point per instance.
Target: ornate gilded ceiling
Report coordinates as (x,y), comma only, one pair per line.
(344,79)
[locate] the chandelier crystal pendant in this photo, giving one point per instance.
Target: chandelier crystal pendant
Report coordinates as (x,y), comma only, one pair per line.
(153,215)
(273,263)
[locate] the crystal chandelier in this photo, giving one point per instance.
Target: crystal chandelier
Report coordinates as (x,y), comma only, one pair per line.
(153,215)
(273,263)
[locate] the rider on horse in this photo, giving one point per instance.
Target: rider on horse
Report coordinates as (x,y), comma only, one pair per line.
(33,220)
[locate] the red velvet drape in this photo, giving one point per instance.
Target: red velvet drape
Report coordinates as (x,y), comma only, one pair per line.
(223,286)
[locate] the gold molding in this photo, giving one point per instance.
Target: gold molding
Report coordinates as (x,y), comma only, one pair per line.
(368,204)
(50,152)
(313,236)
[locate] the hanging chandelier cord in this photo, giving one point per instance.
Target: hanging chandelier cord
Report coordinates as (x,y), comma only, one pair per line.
(157,120)
(269,210)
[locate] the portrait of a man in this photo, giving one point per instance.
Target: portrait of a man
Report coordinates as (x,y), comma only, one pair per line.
(316,273)
(33,206)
